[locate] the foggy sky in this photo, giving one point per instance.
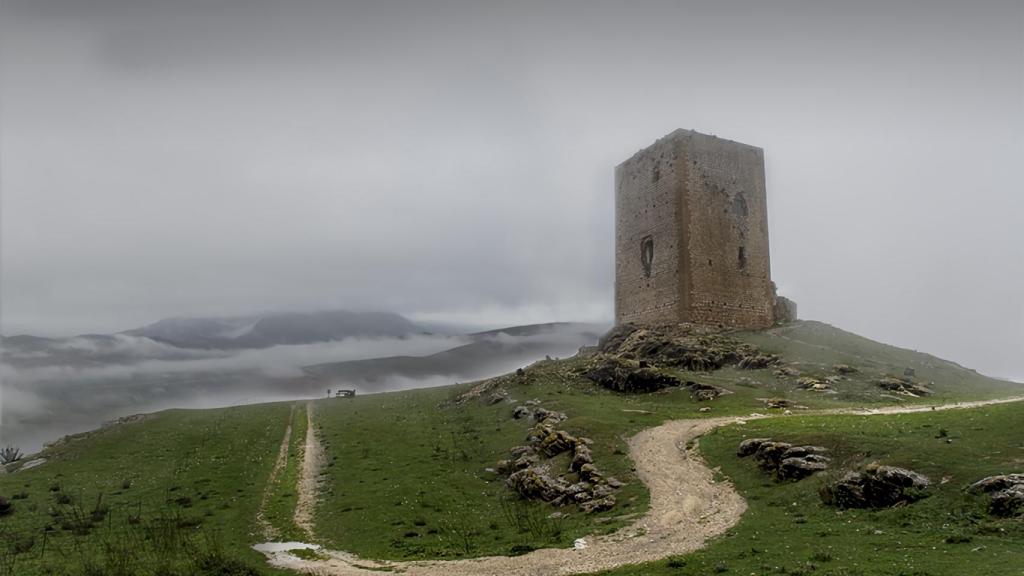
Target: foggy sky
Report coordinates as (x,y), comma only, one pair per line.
(453,160)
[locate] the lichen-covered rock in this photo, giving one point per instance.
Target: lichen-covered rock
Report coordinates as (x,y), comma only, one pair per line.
(521,412)
(796,468)
(903,387)
(845,369)
(758,361)
(1006,493)
(783,460)
(580,456)
(786,372)
(876,487)
(623,377)
(536,482)
(590,473)
(555,443)
(769,454)
(750,446)
(813,384)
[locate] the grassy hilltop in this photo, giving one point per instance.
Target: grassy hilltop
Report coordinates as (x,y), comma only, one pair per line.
(405,475)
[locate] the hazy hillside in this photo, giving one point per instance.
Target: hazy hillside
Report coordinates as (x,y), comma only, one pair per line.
(411,475)
(505,349)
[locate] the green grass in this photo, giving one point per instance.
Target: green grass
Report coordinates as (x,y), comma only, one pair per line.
(787,530)
(180,484)
(405,474)
(406,478)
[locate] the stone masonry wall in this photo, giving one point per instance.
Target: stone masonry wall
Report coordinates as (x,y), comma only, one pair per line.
(696,204)
(647,208)
(727,220)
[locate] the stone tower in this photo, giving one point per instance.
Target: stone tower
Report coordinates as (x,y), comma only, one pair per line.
(691,234)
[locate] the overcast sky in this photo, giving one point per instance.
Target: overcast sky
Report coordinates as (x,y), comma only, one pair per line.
(455,159)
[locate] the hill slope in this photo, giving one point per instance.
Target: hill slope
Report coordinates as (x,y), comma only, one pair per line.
(405,475)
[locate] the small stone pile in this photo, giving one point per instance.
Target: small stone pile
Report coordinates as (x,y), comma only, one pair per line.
(1005,492)
(583,484)
(784,460)
(876,486)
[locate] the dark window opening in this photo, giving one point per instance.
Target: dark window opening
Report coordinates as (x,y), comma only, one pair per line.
(742,257)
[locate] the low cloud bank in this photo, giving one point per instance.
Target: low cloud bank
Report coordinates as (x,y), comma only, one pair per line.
(82,382)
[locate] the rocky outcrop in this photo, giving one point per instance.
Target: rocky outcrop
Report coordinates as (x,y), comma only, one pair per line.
(903,386)
(622,376)
(528,469)
(783,460)
(876,486)
(683,346)
(536,482)
(758,361)
(1005,492)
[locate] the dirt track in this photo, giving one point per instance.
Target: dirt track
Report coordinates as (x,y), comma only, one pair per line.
(687,508)
(312,461)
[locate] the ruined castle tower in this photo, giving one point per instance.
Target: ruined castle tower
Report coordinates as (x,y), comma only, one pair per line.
(691,234)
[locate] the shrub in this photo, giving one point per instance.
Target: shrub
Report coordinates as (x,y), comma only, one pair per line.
(10,454)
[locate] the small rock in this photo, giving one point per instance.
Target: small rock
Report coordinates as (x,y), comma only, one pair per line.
(599,505)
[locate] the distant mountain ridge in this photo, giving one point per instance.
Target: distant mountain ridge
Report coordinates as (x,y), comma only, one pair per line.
(276,329)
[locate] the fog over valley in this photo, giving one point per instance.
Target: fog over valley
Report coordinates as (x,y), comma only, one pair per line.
(54,387)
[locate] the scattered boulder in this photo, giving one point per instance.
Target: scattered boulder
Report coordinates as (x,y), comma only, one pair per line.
(758,361)
(845,369)
(778,403)
(876,487)
(549,417)
(1006,493)
(521,412)
(903,386)
(802,467)
(599,505)
(621,376)
(786,372)
(704,392)
(783,460)
(812,384)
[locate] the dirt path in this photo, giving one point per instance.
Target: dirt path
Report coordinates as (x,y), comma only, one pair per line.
(688,507)
(268,531)
(309,482)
